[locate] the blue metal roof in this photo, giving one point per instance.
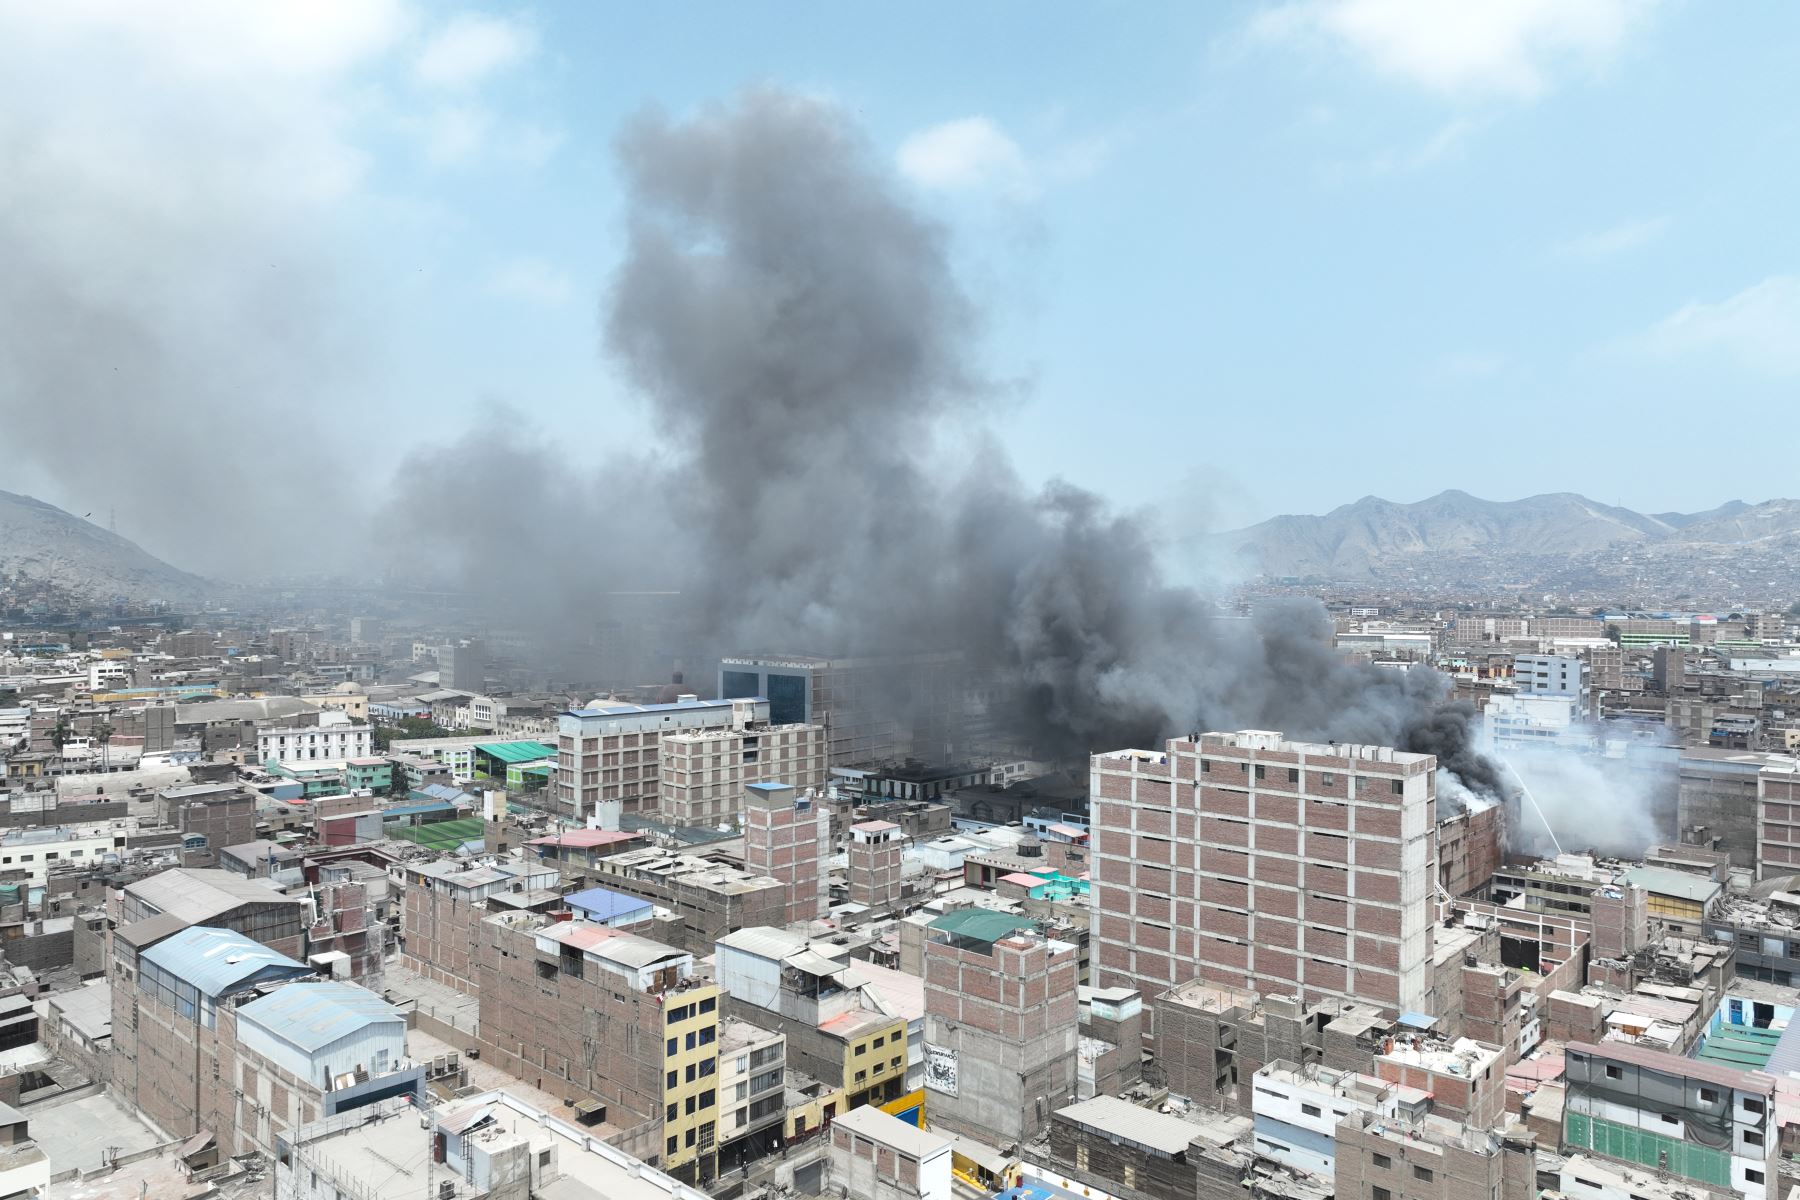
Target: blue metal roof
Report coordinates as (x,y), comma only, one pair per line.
(603,905)
(220,961)
(314,1015)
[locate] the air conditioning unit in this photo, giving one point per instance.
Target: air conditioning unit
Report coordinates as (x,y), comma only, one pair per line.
(446,1189)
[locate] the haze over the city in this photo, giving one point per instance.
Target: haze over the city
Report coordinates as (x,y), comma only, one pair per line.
(1403,241)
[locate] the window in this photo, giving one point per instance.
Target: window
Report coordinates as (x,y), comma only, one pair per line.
(878,1041)
(1382,1161)
(1423,1174)
(1708,1096)
(673,1079)
(706,1068)
(1752,1175)
(1752,1138)
(863,1049)
(1293,774)
(1615,1073)
(1753,1104)
(1260,771)
(1328,779)
(679,1013)
(1311,1110)
(673,1046)
(708,1098)
(690,1106)
(692,1040)
(690,1137)
(707,1035)
(673,1146)
(1380,1193)
(895,1062)
(672,1113)
(708,1005)
(690,1072)
(1397,786)
(1205,767)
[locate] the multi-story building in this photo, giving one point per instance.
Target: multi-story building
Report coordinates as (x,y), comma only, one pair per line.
(445,902)
(167,996)
(1001,1025)
(1718,799)
(1552,675)
(210,817)
(208,896)
(613,755)
(1704,1122)
(704,772)
(787,836)
(874,864)
(37,851)
(708,899)
(873,710)
(1778,819)
(334,739)
(1297,1110)
(840,1030)
(1431,1159)
(1281,867)
(752,1093)
(614,1016)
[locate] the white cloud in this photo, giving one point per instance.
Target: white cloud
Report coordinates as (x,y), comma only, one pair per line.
(532,280)
(1603,243)
(1493,47)
(970,154)
(1758,328)
(471,48)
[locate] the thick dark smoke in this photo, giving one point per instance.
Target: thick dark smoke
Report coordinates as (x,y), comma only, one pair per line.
(810,361)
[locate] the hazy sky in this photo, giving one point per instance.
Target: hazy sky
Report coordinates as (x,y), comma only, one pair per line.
(1239,259)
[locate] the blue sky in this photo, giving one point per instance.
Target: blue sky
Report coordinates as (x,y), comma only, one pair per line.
(1240,259)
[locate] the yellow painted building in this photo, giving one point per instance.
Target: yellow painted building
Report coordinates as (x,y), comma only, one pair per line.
(874,1055)
(691,1080)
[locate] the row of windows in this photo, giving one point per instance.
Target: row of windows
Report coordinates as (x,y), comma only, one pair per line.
(1326,779)
(694,1071)
(700,1037)
(704,1100)
(682,1012)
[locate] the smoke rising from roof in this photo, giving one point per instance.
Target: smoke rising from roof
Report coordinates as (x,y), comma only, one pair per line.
(824,484)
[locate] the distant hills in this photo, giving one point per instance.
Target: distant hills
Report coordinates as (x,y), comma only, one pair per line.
(1373,537)
(42,545)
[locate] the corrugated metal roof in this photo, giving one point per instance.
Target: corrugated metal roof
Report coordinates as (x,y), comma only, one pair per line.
(981,924)
(314,1015)
(1666,881)
(219,960)
(1126,1122)
(150,930)
(603,905)
(198,894)
(517,752)
(764,941)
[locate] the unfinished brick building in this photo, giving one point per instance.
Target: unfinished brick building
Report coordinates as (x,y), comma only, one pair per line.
(1001,1026)
(1254,862)
(874,864)
(588,1011)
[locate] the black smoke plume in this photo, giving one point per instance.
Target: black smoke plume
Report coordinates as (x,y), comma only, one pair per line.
(824,484)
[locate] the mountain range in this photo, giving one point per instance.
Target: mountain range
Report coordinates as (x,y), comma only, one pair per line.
(45,547)
(1367,538)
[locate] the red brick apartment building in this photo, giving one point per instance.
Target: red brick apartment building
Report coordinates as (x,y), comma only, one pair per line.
(1250,861)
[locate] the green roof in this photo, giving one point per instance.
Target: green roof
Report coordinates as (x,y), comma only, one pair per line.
(1742,1046)
(516,752)
(981,924)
